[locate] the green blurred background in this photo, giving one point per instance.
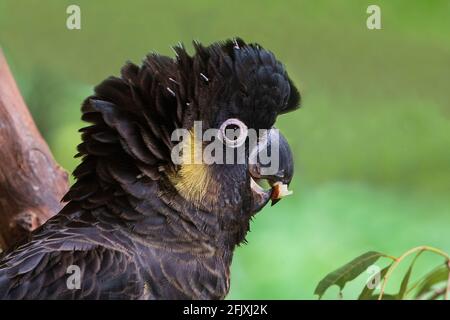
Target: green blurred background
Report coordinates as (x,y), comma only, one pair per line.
(372,141)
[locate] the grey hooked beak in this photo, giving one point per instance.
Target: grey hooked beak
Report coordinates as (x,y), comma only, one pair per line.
(271,160)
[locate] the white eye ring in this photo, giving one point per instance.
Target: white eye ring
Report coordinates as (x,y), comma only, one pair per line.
(243,132)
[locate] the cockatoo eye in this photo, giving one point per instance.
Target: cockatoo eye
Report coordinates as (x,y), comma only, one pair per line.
(233,132)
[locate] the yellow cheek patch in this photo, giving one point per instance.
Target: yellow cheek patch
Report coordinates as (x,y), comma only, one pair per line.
(192,181)
(193,178)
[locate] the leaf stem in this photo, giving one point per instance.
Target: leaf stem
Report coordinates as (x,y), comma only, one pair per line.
(403,256)
(447,291)
(437,293)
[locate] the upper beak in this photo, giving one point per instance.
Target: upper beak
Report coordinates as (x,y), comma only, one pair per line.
(277,169)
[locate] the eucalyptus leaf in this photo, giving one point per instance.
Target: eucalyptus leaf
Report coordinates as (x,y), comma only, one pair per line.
(405,280)
(347,272)
(438,275)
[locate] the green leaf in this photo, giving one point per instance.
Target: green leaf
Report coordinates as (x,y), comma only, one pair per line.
(436,276)
(405,281)
(347,272)
(367,293)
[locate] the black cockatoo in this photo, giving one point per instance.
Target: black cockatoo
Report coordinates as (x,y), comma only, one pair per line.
(137,225)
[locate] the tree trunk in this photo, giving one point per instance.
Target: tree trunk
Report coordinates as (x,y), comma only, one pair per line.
(31,182)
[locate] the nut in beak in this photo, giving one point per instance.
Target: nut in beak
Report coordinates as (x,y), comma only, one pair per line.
(279,191)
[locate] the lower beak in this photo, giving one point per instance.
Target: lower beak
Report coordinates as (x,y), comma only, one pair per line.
(278,172)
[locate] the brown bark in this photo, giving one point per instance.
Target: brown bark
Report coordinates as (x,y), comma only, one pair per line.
(31,182)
